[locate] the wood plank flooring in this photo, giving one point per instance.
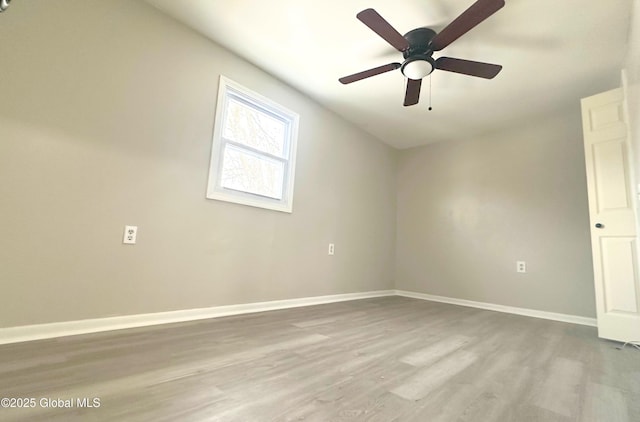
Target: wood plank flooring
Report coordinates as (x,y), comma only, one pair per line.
(383,359)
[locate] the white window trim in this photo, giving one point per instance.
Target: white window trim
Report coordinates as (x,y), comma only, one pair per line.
(214,189)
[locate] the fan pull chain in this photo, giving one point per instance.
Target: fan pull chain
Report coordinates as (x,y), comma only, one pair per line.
(430,92)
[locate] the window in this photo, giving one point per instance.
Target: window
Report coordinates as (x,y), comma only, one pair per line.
(254,150)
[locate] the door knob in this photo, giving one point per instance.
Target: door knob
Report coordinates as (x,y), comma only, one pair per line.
(599,226)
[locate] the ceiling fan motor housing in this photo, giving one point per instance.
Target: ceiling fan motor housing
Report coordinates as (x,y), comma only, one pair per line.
(418,61)
(419,42)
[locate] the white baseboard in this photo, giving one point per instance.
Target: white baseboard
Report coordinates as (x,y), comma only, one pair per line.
(70,328)
(573,319)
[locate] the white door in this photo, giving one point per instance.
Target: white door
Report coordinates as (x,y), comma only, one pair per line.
(613,224)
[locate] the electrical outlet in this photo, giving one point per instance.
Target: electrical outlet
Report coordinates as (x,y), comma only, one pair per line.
(331,248)
(521,266)
(130,234)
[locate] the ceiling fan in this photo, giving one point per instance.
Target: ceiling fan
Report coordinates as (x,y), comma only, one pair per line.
(418,45)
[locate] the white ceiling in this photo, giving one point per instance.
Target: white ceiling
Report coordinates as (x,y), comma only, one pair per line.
(554,52)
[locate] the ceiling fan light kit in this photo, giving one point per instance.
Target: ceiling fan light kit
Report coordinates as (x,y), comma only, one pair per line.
(4,4)
(417,67)
(417,47)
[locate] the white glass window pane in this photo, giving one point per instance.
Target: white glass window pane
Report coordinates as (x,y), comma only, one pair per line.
(247,125)
(248,172)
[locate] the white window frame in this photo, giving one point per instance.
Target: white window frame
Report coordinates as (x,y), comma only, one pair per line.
(291,119)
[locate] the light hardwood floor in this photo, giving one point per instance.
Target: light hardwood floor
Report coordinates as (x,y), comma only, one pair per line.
(384,359)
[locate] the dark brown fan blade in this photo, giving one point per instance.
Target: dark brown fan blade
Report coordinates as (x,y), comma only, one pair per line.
(369,73)
(380,26)
(468,67)
(471,17)
(413,92)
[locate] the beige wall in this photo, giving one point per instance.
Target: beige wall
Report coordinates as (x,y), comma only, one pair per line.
(468,210)
(632,88)
(106,115)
